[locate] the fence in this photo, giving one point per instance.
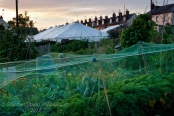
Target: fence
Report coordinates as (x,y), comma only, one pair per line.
(44,49)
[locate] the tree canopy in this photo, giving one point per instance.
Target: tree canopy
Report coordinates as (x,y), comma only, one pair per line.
(2,27)
(141,29)
(13,47)
(25,23)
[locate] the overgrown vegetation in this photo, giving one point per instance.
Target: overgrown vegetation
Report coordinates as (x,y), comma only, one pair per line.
(121,85)
(141,29)
(25,24)
(140,85)
(168,34)
(85,47)
(13,46)
(141,95)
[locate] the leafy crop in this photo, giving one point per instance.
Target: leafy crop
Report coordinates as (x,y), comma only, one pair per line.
(79,94)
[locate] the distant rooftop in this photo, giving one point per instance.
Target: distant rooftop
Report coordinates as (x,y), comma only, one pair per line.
(163,9)
(2,22)
(110,28)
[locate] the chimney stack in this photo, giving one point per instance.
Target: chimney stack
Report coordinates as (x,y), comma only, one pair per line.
(101,17)
(106,20)
(153,6)
(120,16)
(114,15)
(127,14)
(85,21)
(81,21)
(1,17)
(106,17)
(100,21)
(89,20)
(95,18)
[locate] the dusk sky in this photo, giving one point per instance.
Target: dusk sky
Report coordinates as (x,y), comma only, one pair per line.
(47,13)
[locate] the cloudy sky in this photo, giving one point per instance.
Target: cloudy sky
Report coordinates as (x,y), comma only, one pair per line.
(46,13)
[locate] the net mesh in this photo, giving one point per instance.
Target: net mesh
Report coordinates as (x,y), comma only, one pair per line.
(48,79)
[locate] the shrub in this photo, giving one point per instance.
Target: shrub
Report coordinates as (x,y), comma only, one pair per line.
(141,29)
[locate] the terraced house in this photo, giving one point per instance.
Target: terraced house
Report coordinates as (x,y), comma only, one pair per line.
(163,15)
(102,23)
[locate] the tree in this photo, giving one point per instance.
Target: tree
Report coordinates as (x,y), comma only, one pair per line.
(141,29)
(168,34)
(25,23)
(12,40)
(2,27)
(13,47)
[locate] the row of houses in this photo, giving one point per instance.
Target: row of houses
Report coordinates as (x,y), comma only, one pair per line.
(161,15)
(102,23)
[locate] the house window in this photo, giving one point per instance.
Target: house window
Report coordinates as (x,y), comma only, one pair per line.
(157,18)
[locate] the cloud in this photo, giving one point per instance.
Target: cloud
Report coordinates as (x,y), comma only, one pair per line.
(55,12)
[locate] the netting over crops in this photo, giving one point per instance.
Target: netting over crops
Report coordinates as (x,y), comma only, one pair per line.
(47,79)
(140,58)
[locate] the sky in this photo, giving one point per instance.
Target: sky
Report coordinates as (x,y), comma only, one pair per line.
(50,13)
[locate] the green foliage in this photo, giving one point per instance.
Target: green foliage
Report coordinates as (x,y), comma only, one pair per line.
(106,46)
(70,46)
(63,96)
(76,45)
(25,23)
(114,33)
(56,47)
(141,29)
(168,34)
(156,37)
(164,36)
(13,47)
(85,51)
(2,27)
(78,90)
(85,47)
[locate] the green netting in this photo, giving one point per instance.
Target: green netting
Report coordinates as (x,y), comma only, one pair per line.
(86,85)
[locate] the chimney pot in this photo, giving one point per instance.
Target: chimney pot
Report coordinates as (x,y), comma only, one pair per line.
(127,14)
(153,6)
(101,17)
(81,21)
(95,18)
(114,15)
(1,17)
(106,17)
(89,19)
(120,16)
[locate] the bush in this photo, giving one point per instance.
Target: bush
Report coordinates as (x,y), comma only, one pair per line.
(71,46)
(13,47)
(141,29)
